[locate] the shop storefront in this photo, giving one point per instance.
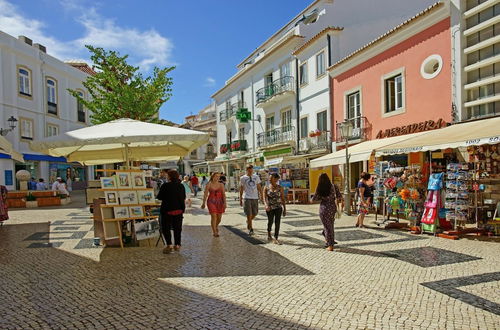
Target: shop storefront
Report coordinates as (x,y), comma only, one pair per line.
(461,162)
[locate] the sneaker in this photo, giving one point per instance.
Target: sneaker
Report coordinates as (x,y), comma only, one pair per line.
(250,232)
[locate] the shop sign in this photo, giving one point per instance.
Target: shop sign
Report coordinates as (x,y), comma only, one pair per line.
(273,161)
(278,152)
(412,128)
(437,155)
(243,115)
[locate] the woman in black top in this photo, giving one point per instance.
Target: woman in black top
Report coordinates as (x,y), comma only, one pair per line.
(172,195)
(364,192)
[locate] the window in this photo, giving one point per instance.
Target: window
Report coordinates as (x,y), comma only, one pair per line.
(321,121)
(79,108)
(229,137)
(241,99)
(194,153)
(353,105)
(269,123)
(303,74)
(26,129)
(303,127)
(320,64)
(241,133)
(51,96)
(394,93)
(24,81)
(286,121)
(52,130)
(285,70)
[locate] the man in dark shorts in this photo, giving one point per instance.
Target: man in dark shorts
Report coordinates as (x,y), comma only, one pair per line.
(250,193)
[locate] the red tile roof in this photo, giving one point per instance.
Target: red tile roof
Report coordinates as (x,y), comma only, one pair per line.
(82,66)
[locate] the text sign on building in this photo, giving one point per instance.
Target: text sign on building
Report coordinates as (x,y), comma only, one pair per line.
(412,128)
(243,115)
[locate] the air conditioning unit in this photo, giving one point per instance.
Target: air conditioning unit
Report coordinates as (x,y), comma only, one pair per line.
(304,145)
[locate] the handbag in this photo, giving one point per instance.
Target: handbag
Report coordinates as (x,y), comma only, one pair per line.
(338,214)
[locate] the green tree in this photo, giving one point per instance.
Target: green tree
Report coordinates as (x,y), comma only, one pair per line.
(119,90)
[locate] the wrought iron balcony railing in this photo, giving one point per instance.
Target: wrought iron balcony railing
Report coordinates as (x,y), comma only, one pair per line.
(276,136)
(279,86)
(231,111)
(359,132)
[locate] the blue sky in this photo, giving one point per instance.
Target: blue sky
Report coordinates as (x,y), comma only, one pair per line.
(205,39)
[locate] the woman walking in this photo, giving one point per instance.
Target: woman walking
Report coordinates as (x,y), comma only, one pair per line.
(215,198)
(364,192)
(328,194)
(172,195)
(189,189)
(274,200)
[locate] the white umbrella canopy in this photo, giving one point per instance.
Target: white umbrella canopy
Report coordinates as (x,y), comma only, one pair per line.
(6,148)
(121,140)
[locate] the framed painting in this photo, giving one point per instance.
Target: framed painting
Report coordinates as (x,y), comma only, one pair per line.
(111,197)
(138,179)
(123,180)
(128,197)
(108,183)
(147,229)
(136,211)
(120,212)
(146,196)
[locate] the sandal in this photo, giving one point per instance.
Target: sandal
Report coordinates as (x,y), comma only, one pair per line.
(167,249)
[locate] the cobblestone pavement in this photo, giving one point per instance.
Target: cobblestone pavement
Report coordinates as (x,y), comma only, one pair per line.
(52,277)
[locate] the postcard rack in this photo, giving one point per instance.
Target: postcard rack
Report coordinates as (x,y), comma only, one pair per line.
(127,199)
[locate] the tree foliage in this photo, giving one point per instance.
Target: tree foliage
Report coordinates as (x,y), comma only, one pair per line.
(119,90)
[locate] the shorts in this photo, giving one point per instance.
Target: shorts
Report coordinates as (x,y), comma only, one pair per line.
(251,207)
(363,208)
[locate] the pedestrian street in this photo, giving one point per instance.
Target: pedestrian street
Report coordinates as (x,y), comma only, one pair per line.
(53,277)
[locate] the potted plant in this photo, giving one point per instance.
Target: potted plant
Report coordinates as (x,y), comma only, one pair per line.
(312,134)
(31,201)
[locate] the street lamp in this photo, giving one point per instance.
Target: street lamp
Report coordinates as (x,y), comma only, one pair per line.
(346,128)
(12,124)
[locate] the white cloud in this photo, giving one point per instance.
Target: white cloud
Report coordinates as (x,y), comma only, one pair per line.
(209,82)
(145,48)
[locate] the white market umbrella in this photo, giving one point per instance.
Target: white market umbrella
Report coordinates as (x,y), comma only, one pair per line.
(6,148)
(122,140)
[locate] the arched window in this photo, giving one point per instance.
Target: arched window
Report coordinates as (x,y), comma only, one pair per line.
(52,96)
(24,81)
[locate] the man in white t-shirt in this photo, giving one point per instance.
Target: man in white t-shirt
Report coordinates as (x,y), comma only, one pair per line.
(57,184)
(250,193)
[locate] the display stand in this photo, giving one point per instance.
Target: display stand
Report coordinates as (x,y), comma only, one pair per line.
(127,201)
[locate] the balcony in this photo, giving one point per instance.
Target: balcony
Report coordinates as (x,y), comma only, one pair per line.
(320,141)
(274,92)
(239,145)
(224,115)
(278,135)
(225,148)
(359,131)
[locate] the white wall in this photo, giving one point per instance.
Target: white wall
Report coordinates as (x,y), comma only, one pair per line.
(15,53)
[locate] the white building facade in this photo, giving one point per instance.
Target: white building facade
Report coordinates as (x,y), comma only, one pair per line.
(33,89)
(204,121)
(476,58)
(284,83)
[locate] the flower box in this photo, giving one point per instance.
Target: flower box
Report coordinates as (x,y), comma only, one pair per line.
(49,201)
(31,204)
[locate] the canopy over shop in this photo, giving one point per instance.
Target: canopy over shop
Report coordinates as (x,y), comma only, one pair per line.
(7,149)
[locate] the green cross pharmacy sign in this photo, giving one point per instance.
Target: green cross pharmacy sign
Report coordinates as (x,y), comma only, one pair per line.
(243,115)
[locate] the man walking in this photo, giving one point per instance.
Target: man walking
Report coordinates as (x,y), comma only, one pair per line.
(195,184)
(250,193)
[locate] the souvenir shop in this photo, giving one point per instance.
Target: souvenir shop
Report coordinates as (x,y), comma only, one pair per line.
(452,191)
(294,176)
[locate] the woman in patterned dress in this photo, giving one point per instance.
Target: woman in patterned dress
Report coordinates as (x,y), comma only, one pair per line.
(327,193)
(215,198)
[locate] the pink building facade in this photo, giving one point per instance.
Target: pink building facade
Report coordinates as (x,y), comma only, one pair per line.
(400,83)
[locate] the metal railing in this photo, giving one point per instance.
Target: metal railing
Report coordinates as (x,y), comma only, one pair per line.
(231,110)
(322,141)
(276,136)
(359,132)
(278,86)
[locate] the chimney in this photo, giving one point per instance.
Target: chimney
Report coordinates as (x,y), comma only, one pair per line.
(42,48)
(26,40)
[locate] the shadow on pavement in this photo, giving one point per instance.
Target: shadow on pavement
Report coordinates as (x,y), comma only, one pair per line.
(51,288)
